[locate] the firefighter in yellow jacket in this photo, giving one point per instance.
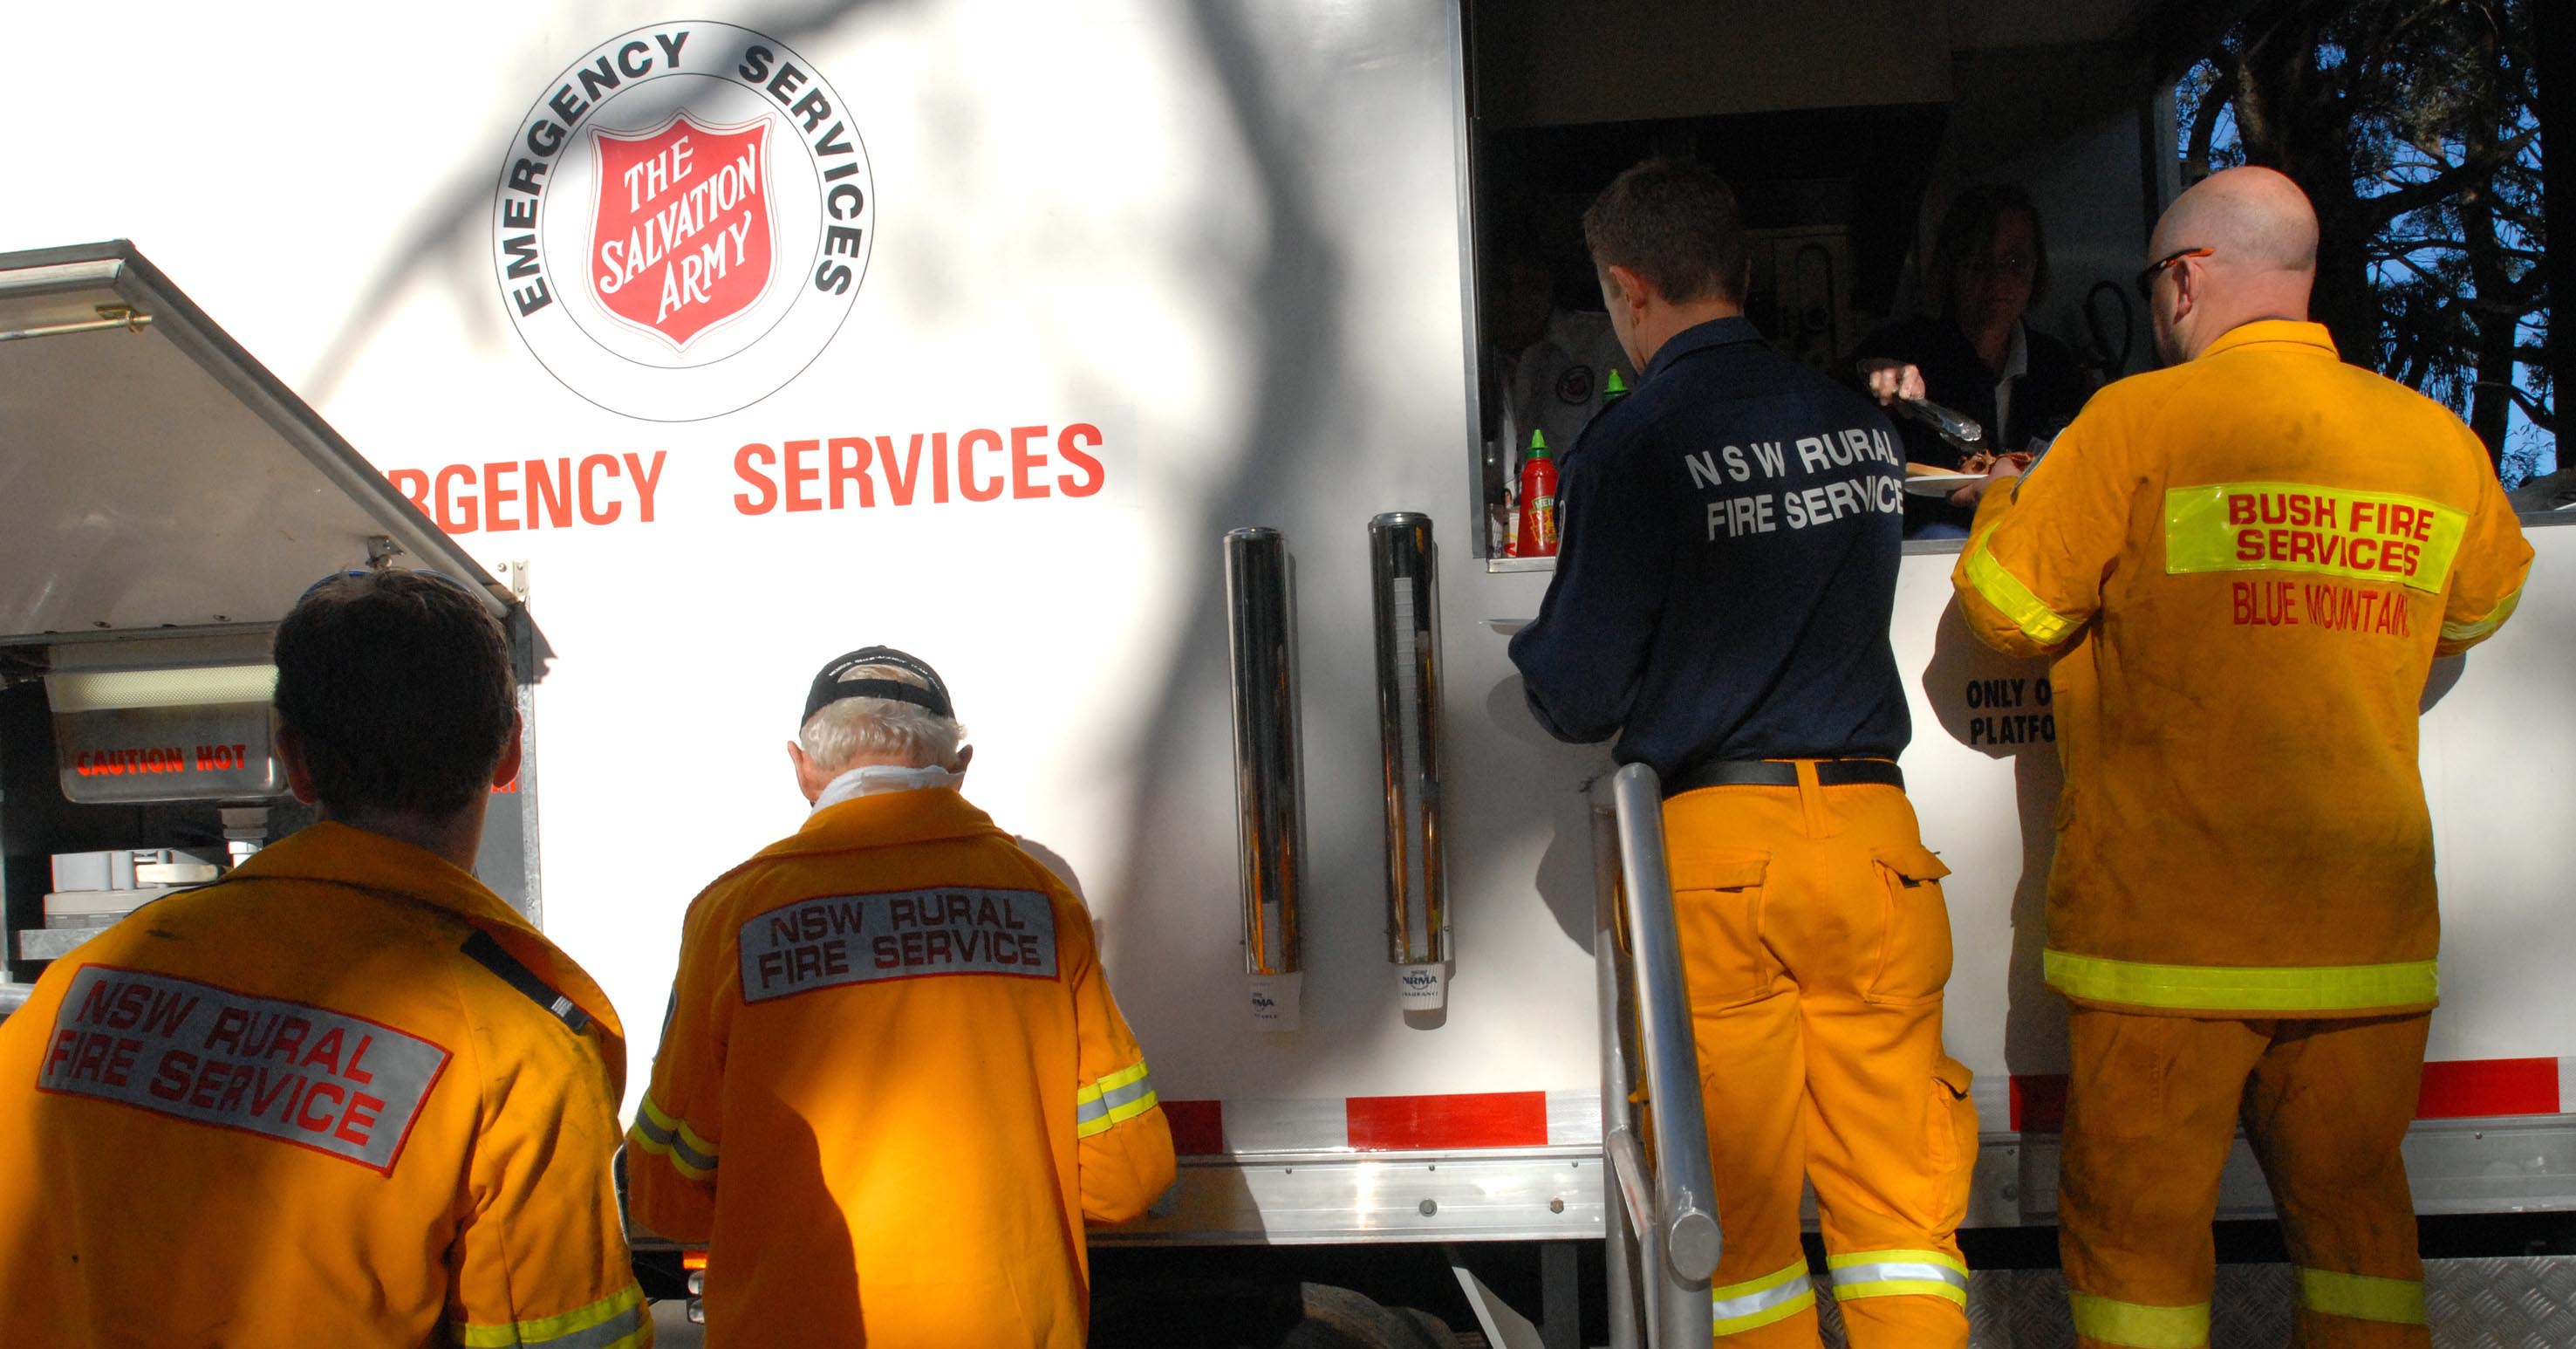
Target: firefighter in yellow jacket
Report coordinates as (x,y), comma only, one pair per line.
(893,1085)
(2243,566)
(344,1095)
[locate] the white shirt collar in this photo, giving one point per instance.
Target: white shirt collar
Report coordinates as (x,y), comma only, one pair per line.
(878,778)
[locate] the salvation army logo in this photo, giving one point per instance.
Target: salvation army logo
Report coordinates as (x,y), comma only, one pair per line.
(634,242)
(683,221)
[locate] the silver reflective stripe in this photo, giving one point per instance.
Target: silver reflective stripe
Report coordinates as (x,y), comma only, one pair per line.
(1117,1096)
(1899,1271)
(600,1336)
(1091,1110)
(670,1138)
(1730,1308)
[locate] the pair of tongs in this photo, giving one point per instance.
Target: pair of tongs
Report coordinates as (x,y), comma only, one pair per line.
(1962,432)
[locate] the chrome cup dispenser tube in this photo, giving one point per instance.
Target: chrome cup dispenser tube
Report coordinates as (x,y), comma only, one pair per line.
(1405,583)
(1269,784)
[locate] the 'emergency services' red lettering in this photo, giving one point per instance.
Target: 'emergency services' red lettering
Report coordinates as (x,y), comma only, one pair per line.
(510,495)
(985,464)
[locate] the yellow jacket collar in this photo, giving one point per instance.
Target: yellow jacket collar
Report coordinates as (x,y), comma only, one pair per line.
(2271,330)
(885,819)
(337,854)
(342,855)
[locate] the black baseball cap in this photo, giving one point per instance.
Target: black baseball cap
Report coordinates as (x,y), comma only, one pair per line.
(830,687)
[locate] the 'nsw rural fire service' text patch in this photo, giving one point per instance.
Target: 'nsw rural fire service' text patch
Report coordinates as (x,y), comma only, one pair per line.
(319,1079)
(905,934)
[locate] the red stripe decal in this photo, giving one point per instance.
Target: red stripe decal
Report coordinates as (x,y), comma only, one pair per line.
(2465,1089)
(2039,1102)
(2489,1087)
(1502,1119)
(1198,1127)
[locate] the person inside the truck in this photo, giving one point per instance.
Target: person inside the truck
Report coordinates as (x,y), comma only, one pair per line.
(1721,606)
(344,1095)
(2243,567)
(1979,355)
(893,1085)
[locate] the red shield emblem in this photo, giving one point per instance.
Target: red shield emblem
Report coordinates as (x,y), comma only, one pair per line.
(682,241)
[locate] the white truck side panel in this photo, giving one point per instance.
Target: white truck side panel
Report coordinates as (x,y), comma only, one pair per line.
(1229,238)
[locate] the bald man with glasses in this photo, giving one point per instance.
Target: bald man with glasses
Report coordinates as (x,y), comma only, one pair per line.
(2242,567)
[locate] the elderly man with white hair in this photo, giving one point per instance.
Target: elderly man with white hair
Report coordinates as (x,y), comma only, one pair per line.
(893,1085)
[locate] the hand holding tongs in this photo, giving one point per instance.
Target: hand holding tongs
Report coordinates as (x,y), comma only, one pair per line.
(1890,380)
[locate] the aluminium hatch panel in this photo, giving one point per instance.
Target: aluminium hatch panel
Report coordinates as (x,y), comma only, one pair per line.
(155,477)
(157,482)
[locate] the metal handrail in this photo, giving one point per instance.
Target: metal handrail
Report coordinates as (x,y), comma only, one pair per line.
(1661,1191)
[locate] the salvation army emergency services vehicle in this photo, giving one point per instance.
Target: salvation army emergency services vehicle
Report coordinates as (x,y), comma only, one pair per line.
(1129,361)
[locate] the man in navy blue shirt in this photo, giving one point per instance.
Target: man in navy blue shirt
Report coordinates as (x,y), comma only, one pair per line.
(1720,606)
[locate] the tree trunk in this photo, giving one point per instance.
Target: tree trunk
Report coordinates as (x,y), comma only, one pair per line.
(2491,401)
(2289,118)
(2554,53)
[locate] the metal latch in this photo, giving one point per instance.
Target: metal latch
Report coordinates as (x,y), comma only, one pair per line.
(109,316)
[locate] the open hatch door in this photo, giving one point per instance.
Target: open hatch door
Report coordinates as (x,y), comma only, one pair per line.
(153,476)
(164,500)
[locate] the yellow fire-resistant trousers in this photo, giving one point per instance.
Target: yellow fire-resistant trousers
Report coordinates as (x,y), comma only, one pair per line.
(2150,1114)
(1816,945)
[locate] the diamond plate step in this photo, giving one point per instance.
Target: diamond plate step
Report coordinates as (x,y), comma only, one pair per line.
(2513,1303)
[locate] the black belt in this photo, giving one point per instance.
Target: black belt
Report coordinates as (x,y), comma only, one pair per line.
(1783,773)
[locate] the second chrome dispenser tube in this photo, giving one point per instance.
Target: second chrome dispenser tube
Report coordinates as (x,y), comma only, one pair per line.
(1405,584)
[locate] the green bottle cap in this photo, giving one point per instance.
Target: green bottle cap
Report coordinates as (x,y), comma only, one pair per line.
(1615,390)
(1538,445)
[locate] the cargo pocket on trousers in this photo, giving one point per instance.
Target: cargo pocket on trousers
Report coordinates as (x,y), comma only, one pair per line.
(1951,1125)
(1914,947)
(1717,909)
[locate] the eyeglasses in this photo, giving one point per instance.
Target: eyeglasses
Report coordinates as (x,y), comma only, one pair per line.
(2014,264)
(2147,276)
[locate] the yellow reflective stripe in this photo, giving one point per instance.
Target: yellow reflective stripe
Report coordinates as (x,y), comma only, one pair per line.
(2470,632)
(2362,1297)
(1127,1110)
(2244,988)
(1775,1296)
(658,1132)
(1898,1273)
(1851,1258)
(2135,1325)
(1847,1292)
(2325,531)
(1114,1100)
(618,1315)
(643,1138)
(675,1125)
(2014,600)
